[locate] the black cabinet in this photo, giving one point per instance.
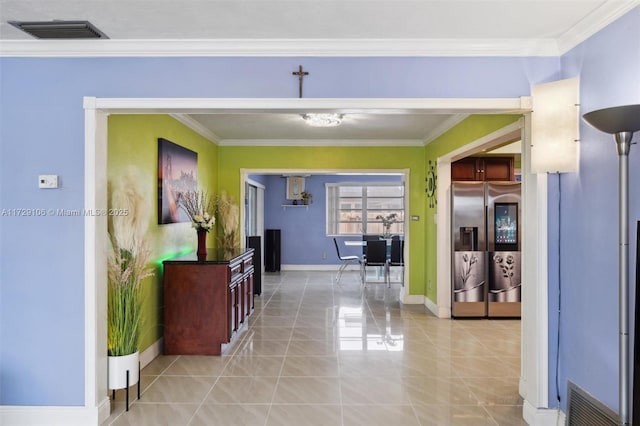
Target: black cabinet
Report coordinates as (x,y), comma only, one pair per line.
(255,244)
(272,250)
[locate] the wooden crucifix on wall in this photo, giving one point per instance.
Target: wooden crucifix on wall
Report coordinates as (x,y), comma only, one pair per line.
(300,73)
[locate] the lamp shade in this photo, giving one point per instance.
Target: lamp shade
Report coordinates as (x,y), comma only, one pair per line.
(555,127)
(618,119)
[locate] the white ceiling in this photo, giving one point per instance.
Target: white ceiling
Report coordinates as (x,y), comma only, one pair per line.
(358,128)
(303,19)
(314,28)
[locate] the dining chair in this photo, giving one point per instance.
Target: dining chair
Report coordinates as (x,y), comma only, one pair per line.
(368,237)
(346,261)
(397,256)
(376,256)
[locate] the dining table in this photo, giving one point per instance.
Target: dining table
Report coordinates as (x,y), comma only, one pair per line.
(362,243)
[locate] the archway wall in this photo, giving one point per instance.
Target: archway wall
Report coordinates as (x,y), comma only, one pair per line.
(335,158)
(469,130)
(42,132)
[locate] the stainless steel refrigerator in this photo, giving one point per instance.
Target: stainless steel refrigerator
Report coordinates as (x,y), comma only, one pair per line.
(487,237)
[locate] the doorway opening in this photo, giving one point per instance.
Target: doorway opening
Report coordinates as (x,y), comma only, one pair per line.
(95,227)
(316,250)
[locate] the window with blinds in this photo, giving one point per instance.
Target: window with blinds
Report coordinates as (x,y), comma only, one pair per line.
(356,209)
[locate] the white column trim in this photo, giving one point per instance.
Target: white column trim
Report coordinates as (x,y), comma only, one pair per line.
(295,105)
(535,324)
(95,228)
(90,267)
(443,239)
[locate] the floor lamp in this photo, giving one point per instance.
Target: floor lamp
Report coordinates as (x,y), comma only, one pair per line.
(622,122)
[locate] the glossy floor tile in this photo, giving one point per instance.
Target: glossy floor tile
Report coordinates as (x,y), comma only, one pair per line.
(320,353)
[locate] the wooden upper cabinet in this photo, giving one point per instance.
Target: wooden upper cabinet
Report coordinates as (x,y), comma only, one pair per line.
(498,168)
(466,169)
(483,169)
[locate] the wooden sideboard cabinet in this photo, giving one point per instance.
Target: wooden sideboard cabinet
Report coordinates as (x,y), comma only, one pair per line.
(206,301)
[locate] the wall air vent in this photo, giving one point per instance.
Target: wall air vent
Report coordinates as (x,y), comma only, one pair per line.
(59,29)
(585,410)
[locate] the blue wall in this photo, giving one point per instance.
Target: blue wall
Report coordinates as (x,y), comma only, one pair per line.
(586,207)
(303,230)
(42,131)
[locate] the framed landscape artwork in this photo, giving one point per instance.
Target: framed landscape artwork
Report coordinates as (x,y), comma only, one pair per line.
(177,173)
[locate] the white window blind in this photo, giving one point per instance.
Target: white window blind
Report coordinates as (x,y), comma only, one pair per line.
(353,208)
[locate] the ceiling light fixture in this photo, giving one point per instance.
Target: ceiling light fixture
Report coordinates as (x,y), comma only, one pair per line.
(323,119)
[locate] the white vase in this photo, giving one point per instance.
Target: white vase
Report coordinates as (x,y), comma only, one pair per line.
(118,366)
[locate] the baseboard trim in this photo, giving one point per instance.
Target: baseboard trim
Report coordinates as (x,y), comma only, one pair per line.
(11,415)
(151,353)
(315,268)
(411,299)
(432,307)
(542,416)
(104,410)
(439,311)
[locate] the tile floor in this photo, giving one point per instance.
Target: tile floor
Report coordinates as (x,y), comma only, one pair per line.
(317,353)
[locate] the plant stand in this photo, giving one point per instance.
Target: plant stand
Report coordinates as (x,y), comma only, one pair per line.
(123,374)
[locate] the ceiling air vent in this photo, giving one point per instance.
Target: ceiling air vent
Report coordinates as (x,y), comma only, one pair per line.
(59,29)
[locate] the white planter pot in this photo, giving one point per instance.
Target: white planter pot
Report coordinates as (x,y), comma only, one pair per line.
(118,366)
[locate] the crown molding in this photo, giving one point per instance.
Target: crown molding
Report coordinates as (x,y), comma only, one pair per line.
(197,127)
(594,22)
(279,47)
(443,127)
(321,142)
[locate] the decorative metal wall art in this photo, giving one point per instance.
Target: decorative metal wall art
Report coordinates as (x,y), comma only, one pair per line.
(432,184)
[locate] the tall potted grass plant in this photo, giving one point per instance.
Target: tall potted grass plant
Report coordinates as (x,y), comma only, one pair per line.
(127,267)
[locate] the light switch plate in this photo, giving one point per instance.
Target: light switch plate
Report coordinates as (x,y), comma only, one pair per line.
(48,181)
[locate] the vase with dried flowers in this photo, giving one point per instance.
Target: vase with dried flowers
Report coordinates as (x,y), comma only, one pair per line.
(387,221)
(200,209)
(229,215)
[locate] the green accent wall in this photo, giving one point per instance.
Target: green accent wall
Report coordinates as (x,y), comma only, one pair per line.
(133,152)
(465,132)
(232,159)
(132,148)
